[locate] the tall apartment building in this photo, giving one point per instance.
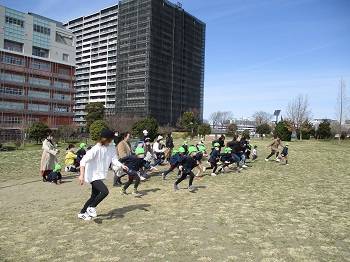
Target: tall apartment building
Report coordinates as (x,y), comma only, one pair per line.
(142,58)
(37,66)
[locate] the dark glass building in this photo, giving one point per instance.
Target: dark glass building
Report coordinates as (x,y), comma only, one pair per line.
(159,59)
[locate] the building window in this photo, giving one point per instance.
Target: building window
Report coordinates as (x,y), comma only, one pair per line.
(62,97)
(39,81)
(40,52)
(64,72)
(61,109)
(38,94)
(11,91)
(11,77)
(14,21)
(40,65)
(17,47)
(41,29)
(65,57)
(38,107)
(11,105)
(12,60)
(61,84)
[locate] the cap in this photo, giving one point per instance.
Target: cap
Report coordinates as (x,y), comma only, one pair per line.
(57,167)
(192,149)
(201,148)
(287,144)
(147,139)
(145,132)
(159,138)
(139,150)
(107,133)
(82,145)
(216,144)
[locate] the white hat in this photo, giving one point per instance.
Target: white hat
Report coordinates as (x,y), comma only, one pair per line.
(159,138)
(145,132)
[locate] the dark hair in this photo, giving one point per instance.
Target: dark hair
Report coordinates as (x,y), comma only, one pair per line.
(169,134)
(120,137)
(70,146)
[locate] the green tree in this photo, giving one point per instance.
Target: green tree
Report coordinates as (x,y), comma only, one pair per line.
(283,131)
(96,128)
(204,129)
(324,130)
(246,133)
(149,124)
(38,130)
(95,111)
(263,129)
(189,123)
(307,130)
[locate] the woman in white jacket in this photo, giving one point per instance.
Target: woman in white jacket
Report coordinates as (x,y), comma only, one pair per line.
(94,169)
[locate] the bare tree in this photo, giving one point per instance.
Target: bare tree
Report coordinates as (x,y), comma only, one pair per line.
(121,122)
(220,118)
(341,107)
(298,112)
(261,117)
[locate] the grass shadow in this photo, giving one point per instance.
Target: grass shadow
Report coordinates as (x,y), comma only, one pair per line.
(119,212)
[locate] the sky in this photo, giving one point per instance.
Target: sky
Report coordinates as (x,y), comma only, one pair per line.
(260,54)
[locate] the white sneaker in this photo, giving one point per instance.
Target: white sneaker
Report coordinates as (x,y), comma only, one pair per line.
(153,167)
(244,166)
(91,211)
(204,169)
(266,159)
(84,216)
(277,159)
(213,174)
(142,178)
(239,169)
(66,169)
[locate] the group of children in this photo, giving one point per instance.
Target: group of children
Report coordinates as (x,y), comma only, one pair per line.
(94,164)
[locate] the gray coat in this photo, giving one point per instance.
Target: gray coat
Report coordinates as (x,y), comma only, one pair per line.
(48,158)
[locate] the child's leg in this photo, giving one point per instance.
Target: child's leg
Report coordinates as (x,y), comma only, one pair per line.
(191,178)
(127,184)
(137,181)
(183,176)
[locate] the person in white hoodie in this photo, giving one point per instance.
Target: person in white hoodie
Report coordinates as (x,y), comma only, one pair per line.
(158,149)
(94,167)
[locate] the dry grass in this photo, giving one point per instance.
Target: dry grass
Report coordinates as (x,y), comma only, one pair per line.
(268,212)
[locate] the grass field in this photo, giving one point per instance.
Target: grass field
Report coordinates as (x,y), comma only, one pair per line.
(268,212)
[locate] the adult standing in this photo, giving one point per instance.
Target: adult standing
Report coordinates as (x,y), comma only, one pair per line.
(123,150)
(48,158)
(274,148)
(169,144)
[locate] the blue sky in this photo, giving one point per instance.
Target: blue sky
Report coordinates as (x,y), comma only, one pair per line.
(260,54)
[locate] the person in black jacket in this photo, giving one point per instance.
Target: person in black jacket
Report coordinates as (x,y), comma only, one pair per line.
(169,144)
(186,165)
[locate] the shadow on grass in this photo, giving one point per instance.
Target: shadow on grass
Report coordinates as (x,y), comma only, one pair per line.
(119,212)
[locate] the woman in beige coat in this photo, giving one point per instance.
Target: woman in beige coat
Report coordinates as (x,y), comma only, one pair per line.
(48,158)
(123,150)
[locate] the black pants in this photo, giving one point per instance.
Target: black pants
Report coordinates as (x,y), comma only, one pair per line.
(131,179)
(183,176)
(98,192)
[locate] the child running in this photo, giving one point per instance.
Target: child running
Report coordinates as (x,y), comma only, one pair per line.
(214,158)
(94,169)
(186,165)
(199,156)
(255,153)
(284,153)
(134,163)
(174,161)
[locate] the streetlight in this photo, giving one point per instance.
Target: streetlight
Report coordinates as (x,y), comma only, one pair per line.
(276,113)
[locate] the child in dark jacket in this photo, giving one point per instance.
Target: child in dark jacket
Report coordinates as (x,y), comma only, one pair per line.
(135,163)
(214,158)
(284,153)
(174,161)
(55,176)
(186,165)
